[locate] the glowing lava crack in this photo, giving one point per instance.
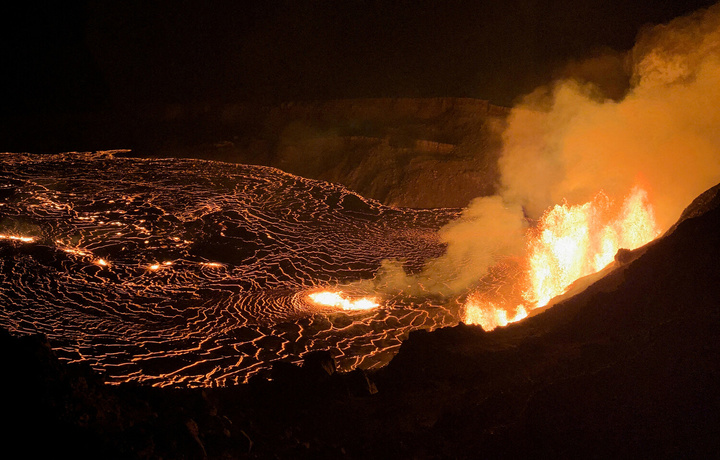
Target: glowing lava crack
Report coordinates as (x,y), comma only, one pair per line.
(195,273)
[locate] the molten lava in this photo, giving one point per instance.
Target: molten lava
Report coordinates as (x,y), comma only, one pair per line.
(338,300)
(23,239)
(571,242)
(489,315)
(575,241)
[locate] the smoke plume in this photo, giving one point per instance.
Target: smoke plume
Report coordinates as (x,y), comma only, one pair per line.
(568,141)
(488,230)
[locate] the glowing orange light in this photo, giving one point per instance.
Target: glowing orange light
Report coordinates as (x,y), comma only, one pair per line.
(575,241)
(76,252)
(571,242)
(24,239)
(338,300)
(212,264)
(489,315)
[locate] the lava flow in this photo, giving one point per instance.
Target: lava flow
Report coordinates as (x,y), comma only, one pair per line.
(339,300)
(196,273)
(568,243)
(24,239)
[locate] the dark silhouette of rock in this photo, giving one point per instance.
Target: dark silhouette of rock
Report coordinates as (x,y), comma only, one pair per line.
(319,363)
(411,152)
(7,193)
(358,383)
(284,373)
(628,368)
(624,256)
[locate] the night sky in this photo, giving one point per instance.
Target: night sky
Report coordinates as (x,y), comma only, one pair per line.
(97,55)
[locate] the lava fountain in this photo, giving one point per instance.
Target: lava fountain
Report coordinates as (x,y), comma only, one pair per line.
(568,140)
(568,243)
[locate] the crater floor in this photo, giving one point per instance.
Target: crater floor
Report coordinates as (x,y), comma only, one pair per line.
(196,273)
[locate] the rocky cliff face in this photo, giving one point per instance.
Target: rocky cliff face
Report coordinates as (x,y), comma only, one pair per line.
(434,152)
(438,152)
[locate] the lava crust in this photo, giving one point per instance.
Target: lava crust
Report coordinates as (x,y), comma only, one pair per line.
(196,273)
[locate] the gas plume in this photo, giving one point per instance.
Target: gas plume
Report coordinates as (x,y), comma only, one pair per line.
(488,230)
(566,142)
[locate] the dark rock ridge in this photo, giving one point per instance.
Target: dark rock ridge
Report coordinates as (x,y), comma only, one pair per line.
(434,152)
(412,152)
(628,368)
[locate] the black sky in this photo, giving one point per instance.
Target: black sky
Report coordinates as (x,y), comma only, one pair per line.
(91,55)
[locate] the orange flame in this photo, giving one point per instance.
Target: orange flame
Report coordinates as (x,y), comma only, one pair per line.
(24,239)
(338,300)
(575,241)
(571,242)
(488,315)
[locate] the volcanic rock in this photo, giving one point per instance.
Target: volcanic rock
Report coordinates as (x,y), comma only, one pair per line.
(7,192)
(630,367)
(409,152)
(320,363)
(359,384)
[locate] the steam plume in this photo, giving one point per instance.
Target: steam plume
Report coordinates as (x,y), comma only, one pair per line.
(567,142)
(489,229)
